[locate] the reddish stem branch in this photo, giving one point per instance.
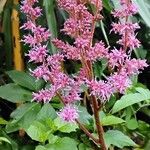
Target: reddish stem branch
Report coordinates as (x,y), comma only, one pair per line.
(99,127)
(81,126)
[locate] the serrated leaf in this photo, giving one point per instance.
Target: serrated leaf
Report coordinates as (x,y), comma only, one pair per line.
(25,80)
(130,99)
(111,120)
(14,93)
(118,139)
(64,143)
(65,126)
(47,111)
(84,116)
(23,116)
(38,132)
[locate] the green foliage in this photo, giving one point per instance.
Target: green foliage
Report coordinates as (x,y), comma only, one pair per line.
(15,93)
(38,132)
(23,116)
(132,98)
(84,116)
(117,138)
(3,139)
(2,121)
(111,120)
(144,10)
(25,80)
(64,143)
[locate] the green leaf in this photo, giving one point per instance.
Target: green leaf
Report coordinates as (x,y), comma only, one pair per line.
(7,31)
(25,80)
(52,139)
(51,20)
(132,124)
(2,121)
(130,99)
(47,111)
(65,143)
(107,5)
(40,147)
(111,120)
(23,116)
(84,147)
(118,139)
(84,116)
(15,93)
(38,132)
(144,10)
(23,109)
(65,126)
(3,139)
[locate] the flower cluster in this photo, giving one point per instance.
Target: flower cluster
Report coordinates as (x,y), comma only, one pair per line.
(80,27)
(49,66)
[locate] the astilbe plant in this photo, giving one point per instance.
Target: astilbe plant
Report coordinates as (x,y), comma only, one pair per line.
(80,26)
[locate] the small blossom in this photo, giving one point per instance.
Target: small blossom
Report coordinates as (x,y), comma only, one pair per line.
(120,82)
(29,25)
(38,53)
(116,57)
(97,52)
(134,65)
(44,95)
(101,89)
(127,10)
(41,72)
(69,113)
(121,28)
(131,41)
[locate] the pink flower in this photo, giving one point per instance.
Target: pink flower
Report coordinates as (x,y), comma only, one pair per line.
(38,53)
(29,25)
(101,89)
(30,40)
(70,96)
(81,43)
(97,52)
(120,82)
(44,95)
(27,8)
(131,41)
(69,51)
(127,10)
(69,113)
(81,76)
(55,61)
(121,28)
(70,27)
(68,5)
(41,72)
(134,65)
(116,57)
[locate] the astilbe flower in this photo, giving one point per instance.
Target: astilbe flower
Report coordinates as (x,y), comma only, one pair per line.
(103,90)
(119,82)
(69,113)
(80,27)
(116,58)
